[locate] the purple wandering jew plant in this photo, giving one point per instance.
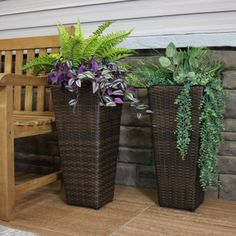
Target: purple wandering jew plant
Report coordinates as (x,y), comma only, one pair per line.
(108,79)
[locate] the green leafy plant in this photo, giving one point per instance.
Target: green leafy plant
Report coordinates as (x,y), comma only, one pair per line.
(80,50)
(90,60)
(192,67)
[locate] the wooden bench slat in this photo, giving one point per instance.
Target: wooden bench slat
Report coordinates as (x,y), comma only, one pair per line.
(27,131)
(21,80)
(29,89)
(8,62)
(34,113)
(30,43)
(29,120)
(7,194)
(17,89)
(55,50)
(37,183)
(28,98)
(0,61)
(40,98)
(41,89)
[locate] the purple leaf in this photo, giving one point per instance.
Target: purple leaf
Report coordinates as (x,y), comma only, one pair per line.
(132,89)
(118,100)
(81,69)
(52,78)
(94,65)
(109,91)
(69,74)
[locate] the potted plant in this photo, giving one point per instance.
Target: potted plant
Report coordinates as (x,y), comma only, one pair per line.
(86,75)
(187,100)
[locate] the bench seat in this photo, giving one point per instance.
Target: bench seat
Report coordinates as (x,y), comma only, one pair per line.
(26,124)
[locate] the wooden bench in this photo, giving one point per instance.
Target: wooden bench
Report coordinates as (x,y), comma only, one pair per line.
(24,111)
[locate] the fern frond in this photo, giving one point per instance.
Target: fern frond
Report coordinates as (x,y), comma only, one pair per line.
(77,52)
(78,31)
(109,41)
(91,42)
(135,81)
(102,27)
(89,47)
(41,64)
(66,42)
(63,34)
(115,54)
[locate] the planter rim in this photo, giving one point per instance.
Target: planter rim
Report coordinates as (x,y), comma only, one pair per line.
(64,89)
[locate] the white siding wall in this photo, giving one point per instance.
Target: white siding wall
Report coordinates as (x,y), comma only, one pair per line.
(155,22)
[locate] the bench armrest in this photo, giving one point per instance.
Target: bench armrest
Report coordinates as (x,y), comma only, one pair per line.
(22,80)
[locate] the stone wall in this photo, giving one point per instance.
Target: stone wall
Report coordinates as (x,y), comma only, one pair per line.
(227,161)
(135,167)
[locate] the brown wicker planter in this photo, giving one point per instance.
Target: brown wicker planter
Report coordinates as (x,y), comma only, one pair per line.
(88,143)
(177,179)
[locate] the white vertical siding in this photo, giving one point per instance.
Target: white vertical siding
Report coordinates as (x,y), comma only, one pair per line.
(155,22)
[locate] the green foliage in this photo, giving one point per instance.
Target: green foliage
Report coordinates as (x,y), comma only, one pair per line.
(150,74)
(115,54)
(184,121)
(80,50)
(212,124)
(192,67)
(42,64)
(107,42)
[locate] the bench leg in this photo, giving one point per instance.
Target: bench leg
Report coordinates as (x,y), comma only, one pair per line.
(7,177)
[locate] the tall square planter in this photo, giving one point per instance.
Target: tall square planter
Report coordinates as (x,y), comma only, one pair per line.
(88,144)
(177,180)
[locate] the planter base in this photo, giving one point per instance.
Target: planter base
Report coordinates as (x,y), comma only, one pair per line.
(88,144)
(177,179)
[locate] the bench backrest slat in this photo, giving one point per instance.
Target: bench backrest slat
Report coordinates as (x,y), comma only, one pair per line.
(17,89)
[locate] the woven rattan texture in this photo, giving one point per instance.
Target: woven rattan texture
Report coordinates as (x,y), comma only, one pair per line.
(88,143)
(177,179)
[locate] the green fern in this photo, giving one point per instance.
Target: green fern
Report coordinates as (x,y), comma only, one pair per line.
(102,27)
(66,42)
(78,31)
(115,54)
(69,44)
(91,43)
(109,41)
(89,47)
(80,50)
(41,64)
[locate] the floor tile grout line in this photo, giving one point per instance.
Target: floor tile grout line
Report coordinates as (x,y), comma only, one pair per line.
(132,219)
